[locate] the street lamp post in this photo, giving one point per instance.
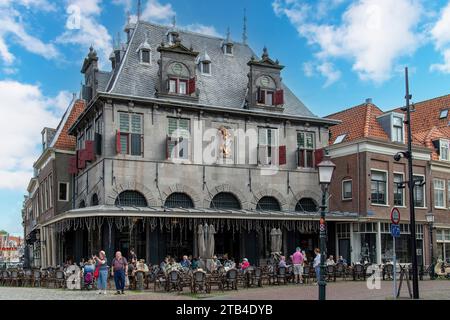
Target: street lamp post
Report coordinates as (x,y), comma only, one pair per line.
(430,219)
(326,169)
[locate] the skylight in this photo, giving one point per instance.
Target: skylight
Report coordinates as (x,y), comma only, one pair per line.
(340,138)
(443,114)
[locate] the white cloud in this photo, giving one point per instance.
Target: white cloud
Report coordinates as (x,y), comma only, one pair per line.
(200,28)
(155,11)
(372,34)
(26,112)
(308,69)
(441,36)
(328,71)
(83,28)
(13,29)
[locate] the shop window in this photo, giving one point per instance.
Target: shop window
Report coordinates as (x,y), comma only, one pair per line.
(131,198)
(225,200)
(268,203)
(179,200)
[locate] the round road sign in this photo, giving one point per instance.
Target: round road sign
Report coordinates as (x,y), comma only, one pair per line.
(395,216)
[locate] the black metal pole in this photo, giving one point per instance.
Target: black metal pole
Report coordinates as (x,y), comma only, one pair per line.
(411,184)
(323,239)
(431,245)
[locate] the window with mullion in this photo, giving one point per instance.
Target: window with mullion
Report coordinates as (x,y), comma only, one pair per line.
(439,193)
(305,144)
(419,192)
(444,150)
(398,191)
(378,187)
(130,125)
(179,134)
(178,86)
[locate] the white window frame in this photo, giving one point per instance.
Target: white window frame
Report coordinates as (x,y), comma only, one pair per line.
(202,63)
(67,191)
(141,57)
(395,127)
(343,190)
(424,191)
(444,142)
(340,138)
(403,190)
(441,112)
(444,200)
(386,191)
(225,47)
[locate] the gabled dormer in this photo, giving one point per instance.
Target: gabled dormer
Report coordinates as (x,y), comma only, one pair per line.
(393,124)
(177,76)
(442,147)
(264,86)
(90,71)
(204,63)
(144,52)
(227,45)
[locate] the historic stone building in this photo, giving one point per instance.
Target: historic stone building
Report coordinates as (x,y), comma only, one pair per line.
(189,130)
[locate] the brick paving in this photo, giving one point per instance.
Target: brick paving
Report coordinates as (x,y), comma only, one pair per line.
(341,290)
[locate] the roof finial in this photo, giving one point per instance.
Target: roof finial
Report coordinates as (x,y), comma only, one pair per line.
(174,21)
(244,33)
(265,53)
(139,8)
(228,35)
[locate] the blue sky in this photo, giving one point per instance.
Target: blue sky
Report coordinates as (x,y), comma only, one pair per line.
(337,53)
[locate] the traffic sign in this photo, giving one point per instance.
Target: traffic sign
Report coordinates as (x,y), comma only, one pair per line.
(395,230)
(395,216)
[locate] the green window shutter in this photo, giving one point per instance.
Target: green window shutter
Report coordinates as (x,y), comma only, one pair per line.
(172,125)
(300,140)
(262,136)
(184,127)
(124,122)
(310,140)
(136,123)
(136,144)
(124,143)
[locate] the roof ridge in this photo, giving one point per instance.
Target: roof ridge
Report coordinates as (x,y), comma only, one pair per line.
(346,110)
(423,101)
(368,110)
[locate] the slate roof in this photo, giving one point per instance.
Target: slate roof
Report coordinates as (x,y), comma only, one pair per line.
(226,87)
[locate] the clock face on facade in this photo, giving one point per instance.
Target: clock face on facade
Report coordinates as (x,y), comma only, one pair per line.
(265,81)
(177,68)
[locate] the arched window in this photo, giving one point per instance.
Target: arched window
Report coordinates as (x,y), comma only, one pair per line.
(131,198)
(82,204)
(94,200)
(179,200)
(307,205)
(268,203)
(225,200)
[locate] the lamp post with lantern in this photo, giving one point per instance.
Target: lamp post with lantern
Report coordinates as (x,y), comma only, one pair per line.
(326,169)
(430,220)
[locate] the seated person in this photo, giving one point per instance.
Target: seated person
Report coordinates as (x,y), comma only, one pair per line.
(244,264)
(330,261)
(217,262)
(342,260)
(194,264)
(282,263)
(89,266)
(185,263)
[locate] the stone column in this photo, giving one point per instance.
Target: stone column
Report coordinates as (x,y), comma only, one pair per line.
(378,246)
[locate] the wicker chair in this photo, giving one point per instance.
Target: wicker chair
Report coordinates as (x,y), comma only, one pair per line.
(215,280)
(290,274)
(199,282)
(341,271)
(160,281)
(258,277)
(27,277)
(37,277)
(14,278)
(6,278)
(307,274)
(331,273)
(174,281)
(249,277)
(231,279)
(59,279)
(359,272)
(388,271)
(281,275)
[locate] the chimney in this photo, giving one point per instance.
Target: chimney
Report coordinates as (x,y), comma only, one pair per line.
(368,100)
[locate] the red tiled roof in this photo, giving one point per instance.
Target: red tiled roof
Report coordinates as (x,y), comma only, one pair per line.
(358,122)
(64,140)
(427,137)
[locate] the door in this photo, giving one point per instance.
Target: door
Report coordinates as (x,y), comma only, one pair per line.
(344,249)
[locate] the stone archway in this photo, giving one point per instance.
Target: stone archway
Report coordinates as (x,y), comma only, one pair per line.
(181,188)
(239,194)
(317,197)
(134,186)
(269,192)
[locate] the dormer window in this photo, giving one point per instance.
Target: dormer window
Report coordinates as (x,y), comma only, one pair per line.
(265,97)
(397,129)
(206,68)
(178,86)
(444,146)
(145,56)
(228,49)
(443,114)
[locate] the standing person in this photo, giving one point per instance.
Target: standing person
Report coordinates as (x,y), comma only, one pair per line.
(132,257)
(119,270)
(102,266)
(297,260)
(316,264)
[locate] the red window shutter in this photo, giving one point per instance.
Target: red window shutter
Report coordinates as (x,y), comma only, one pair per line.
(81,159)
(318,157)
(282,155)
(73,165)
(118,145)
(191,85)
(89,150)
(279,97)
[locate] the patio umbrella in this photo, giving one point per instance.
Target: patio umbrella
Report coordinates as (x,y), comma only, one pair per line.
(201,241)
(279,241)
(210,242)
(273,240)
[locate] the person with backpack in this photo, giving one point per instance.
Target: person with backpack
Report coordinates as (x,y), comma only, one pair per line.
(119,269)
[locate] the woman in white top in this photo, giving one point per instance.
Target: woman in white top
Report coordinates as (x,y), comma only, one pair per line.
(316,263)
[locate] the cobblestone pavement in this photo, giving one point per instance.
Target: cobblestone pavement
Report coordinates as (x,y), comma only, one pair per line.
(341,290)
